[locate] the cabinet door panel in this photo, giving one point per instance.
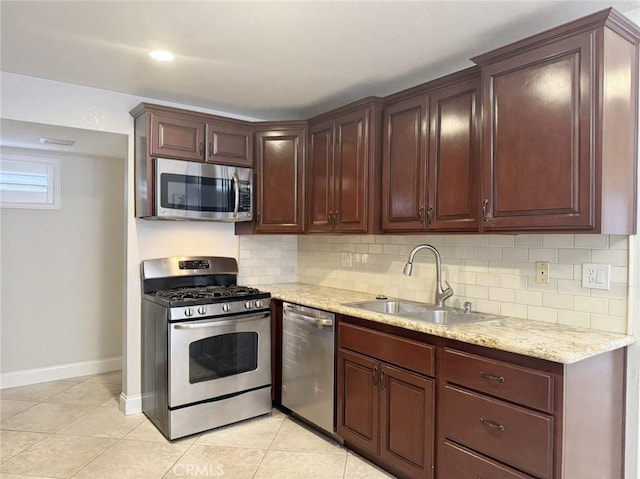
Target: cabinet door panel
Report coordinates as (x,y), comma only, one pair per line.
(280,170)
(407,424)
(358,400)
(177,137)
(230,145)
(320,181)
(404,177)
(538,155)
(350,173)
(454,159)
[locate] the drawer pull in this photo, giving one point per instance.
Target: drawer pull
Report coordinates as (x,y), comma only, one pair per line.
(491,424)
(491,377)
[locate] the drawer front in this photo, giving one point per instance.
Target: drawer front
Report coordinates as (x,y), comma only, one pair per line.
(413,355)
(514,383)
(511,434)
(460,463)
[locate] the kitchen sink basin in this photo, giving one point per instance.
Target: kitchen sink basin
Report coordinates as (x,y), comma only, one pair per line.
(422,312)
(389,306)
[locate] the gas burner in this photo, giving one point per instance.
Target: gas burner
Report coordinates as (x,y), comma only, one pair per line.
(206,292)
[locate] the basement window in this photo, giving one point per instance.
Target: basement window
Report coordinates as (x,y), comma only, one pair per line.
(27,182)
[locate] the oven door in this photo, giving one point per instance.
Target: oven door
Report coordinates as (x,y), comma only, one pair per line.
(211,358)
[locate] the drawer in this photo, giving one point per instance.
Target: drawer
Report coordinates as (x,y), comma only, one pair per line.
(514,383)
(461,463)
(511,434)
(410,354)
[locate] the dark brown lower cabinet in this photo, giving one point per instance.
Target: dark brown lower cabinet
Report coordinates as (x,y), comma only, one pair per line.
(386,412)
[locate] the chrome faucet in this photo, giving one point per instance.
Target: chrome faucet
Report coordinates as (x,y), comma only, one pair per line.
(442,294)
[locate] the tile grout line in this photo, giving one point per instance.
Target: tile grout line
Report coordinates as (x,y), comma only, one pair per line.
(266,451)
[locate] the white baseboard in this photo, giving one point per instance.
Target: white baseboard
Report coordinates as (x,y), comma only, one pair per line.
(130,404)
(60,371)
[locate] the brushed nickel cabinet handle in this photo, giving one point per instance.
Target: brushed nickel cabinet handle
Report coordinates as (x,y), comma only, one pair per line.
(491,377)
(491,424)
(485,203)
(211,148)
(374,376)
(421,214)
(383,379)
(201,148)
(335,218)
(430,214)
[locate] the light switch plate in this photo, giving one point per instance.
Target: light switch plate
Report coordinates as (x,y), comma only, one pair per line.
(346,260)
(542,272)
(596,276)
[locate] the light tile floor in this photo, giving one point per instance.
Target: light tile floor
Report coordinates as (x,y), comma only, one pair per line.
(74,429)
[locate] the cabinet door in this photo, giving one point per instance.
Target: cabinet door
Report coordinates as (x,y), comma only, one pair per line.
(320,181)
(279,186)
(538,150)
(177,137)
(230,145)
(351,172)
(454,158)
(407,421)
(404,165)
(358,400)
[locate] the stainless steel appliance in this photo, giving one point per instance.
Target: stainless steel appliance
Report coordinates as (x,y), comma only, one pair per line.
(206,347)
(308,346)
(202,191)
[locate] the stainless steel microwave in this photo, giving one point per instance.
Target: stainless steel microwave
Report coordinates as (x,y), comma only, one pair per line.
(188,190)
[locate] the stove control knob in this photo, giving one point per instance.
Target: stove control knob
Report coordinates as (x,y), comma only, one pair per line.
(188,312)
(202,310)
(225,307)
(259,303)
(247,305)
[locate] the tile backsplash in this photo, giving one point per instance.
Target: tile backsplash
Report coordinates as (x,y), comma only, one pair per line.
(496,273)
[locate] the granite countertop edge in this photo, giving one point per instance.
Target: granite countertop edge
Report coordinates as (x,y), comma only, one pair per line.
(538,339)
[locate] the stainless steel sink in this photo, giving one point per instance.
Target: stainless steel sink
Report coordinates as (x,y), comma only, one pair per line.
(422,312)
(389,306)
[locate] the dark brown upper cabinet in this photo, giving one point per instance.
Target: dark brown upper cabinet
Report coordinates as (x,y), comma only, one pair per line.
(193,136)
(279,185)
(430,156)
(343,170)
(560,129)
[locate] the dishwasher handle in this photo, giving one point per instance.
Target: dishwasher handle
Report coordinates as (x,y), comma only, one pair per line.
(289,313)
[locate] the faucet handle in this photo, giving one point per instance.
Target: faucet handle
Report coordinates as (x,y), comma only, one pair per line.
(448,292)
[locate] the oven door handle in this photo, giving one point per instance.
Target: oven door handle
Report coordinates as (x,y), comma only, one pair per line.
(236,188)
(211,324)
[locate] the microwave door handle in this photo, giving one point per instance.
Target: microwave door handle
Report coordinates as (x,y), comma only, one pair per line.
(236,186)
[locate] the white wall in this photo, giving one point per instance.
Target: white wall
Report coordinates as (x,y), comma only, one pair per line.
(62,291)
(32,99)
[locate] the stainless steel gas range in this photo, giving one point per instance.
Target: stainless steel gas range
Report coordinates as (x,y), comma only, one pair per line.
(206,352)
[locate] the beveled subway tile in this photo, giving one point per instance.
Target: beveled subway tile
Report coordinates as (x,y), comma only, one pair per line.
(214,461)
(44,417)
(103,422)
(87,393)
(14,442)
(11,407)
(133,460)
(358,468)
(295,437)
(57,456)
(36,392)
(296,465)
(255,433)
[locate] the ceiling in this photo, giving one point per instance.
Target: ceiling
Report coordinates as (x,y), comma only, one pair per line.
(266,59)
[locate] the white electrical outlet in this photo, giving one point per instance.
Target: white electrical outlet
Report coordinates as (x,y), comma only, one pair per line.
(542,272)
(596,276)
(346,259)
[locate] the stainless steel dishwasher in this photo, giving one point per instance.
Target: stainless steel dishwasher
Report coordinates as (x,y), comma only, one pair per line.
(308,364)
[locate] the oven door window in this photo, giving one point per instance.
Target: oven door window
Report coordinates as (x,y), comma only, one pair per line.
(195,193)
(223,355)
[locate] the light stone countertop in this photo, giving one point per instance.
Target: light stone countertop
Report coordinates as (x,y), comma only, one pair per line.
(537,339)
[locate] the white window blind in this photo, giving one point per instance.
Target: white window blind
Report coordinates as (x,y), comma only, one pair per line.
(29,182)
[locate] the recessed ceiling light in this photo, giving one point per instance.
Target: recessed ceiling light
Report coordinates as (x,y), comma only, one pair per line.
(161,55)
(56,141)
